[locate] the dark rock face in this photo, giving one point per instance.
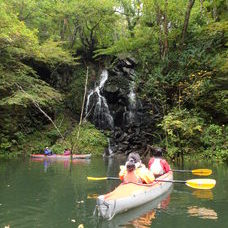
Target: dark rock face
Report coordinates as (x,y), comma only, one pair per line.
(113,104)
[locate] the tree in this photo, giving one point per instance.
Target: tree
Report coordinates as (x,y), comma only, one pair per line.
(186,20)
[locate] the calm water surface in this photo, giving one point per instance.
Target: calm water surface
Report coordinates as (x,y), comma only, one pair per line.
(37,193)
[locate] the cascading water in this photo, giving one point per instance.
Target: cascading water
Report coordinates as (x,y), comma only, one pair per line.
(102,117)
(113,105)
(130,112)
(110,151)
(132,103)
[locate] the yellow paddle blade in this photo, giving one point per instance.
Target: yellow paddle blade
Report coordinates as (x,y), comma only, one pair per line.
(202,172)
(201,183)
(97,178)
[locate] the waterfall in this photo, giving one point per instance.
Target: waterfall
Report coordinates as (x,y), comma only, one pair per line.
(130,115)
(132,102)
(110,151)
(102,117)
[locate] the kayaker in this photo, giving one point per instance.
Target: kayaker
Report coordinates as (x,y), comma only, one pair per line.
(67,151)
(47,151)
(158,165)
(140,171)
(131,175)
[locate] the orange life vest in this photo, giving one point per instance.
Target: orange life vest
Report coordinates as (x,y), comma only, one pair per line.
(132,177)
(142,172)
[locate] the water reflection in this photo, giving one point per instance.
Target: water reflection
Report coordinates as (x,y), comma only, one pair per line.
(66,163)
(203,194)
(47,163)
(202,212)
(199,193)
(140,217)
(92,196)
(144,221)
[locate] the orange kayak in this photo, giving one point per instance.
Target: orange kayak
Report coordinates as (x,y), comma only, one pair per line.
(131,195)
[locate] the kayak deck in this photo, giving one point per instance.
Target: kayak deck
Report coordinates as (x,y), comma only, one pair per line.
(131,195)
(61,156)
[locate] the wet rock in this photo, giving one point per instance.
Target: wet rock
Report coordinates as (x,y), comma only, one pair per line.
(132,118)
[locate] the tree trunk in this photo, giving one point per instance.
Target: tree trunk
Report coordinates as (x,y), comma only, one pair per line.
(158,19)
(74,34)
(214,10)
(63,28)
(186,20)
(166,31)
(201,8)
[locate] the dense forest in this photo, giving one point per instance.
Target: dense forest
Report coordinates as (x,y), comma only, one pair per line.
(48,48)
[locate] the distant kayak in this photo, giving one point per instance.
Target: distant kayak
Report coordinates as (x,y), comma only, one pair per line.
(61,156)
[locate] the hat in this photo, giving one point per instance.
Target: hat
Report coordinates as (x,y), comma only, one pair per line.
(158,151)
(134,156)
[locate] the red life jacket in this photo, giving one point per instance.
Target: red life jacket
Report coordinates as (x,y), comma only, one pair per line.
(67,152)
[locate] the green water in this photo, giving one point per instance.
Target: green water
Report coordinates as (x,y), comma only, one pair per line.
(36,193)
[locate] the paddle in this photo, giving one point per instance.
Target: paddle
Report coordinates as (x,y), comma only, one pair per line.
(193,183)
(103,178)
(197,172)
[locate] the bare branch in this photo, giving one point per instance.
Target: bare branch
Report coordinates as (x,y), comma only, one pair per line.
(83,102)
(40,109)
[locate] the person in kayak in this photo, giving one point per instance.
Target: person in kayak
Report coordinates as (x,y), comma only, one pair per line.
(67,152)
(135,171)
(47,151)
(158,165)
(131,175)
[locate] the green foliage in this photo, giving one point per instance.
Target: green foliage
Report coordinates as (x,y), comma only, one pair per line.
(213,135)
(15,38)
(79,24)
(183,130)
(181,76)
(75,93)
(34,139)
(90,140)
(18,42)
(52,54)
(187,133)
(215,140)
(20,88)
(222,104)
(33,90)
(20,117)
